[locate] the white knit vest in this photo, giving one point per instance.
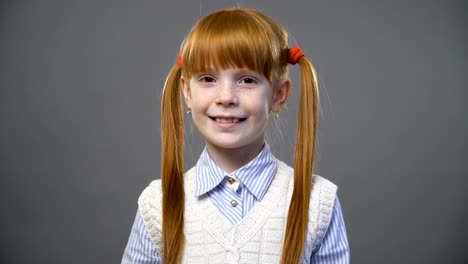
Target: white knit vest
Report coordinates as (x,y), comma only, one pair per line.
(257,238)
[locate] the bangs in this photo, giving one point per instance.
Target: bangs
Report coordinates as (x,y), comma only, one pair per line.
(240,38)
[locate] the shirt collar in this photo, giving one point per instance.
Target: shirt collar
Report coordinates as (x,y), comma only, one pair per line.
(256,175)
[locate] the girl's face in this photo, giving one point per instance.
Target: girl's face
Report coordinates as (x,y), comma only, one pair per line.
(230,107)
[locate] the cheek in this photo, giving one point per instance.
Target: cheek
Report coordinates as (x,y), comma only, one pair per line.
(266,98)
(259,105)
(199,100)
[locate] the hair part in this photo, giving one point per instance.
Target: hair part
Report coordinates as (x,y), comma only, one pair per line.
(242,38)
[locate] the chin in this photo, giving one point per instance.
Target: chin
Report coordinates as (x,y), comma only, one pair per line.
(227,145)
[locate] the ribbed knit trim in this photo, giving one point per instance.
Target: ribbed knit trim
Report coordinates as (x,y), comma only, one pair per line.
(322,200)
(149,205)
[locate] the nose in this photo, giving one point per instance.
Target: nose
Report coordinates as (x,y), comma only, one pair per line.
(227,94)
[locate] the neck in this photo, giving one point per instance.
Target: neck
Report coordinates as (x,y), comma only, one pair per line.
(234,158)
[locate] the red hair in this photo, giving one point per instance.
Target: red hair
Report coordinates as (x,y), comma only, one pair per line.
(242,38)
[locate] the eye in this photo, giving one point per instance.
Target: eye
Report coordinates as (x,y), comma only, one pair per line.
(248,80)
(206,79)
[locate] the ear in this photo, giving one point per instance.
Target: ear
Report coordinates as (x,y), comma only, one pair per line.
(281,94)
(186,91)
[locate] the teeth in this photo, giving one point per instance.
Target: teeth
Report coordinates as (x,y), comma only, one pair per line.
(227,120)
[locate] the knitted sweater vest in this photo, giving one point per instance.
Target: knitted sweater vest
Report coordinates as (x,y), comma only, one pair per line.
(257,238)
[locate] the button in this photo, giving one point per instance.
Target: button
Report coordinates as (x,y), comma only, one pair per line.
(231,180)
(233,203)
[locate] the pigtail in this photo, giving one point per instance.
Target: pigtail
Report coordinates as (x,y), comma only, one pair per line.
(172,182)
(307,119)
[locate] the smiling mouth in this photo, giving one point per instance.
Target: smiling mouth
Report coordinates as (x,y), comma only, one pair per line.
(223,120)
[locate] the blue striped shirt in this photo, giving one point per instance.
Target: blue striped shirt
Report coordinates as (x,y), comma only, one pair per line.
(235,195)
(243,186)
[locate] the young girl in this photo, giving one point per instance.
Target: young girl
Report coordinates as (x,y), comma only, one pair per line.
(239,204)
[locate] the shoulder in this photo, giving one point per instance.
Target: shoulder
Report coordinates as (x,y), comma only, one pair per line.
(321,203)
(319,184)
(151,192)
(150,207)
(325,188)
(151,197)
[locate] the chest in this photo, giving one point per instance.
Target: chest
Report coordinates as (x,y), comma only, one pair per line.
(257,238)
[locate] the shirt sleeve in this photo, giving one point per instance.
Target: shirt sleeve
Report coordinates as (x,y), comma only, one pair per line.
(334,247)
(140,249)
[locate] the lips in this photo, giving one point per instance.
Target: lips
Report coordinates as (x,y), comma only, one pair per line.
(227,120)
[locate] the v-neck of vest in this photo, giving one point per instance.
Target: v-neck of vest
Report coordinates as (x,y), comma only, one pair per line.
(238,234)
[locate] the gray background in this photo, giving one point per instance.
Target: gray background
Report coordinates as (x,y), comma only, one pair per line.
(79,113)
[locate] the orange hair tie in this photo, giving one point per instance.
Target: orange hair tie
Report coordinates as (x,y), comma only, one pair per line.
(294,54)
(179,60)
